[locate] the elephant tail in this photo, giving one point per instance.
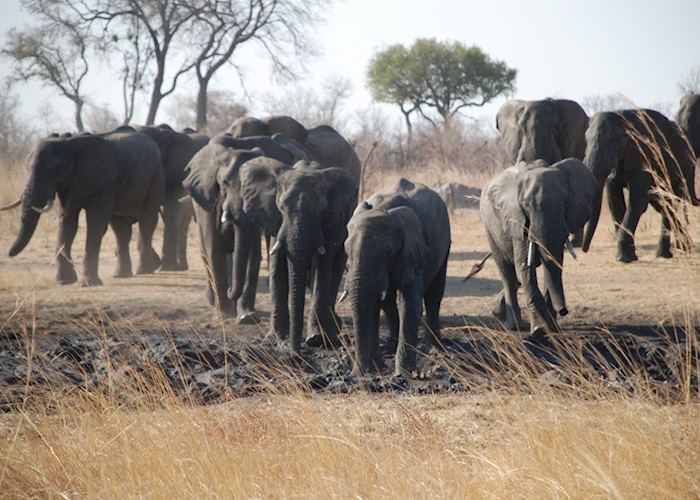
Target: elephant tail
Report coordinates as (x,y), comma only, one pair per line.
(476,268)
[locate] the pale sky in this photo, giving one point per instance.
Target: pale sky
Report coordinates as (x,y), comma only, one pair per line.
(572,49)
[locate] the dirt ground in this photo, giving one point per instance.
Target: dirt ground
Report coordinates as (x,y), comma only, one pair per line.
(642,298)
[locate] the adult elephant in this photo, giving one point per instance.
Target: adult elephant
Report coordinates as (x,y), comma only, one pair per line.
(210,172)
(176,150)
(644,152)
(116,178)
(528,212)
(323,143)
(548,129)
(688,118)
(307,207)
(397,246)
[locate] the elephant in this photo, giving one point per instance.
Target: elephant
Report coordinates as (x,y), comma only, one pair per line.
(323,144)
(307,207)
(528,211)
(688,119)
(641,150)
(116,178)
(549,130)
(210,172)
(398,245)
(176,150)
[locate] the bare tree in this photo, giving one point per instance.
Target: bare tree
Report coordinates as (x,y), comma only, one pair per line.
(690,82)
(609,102)
(55,52)
(277,26)
(223,109)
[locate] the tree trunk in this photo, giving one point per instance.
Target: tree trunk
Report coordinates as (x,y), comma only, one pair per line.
(202,103)
(79,116)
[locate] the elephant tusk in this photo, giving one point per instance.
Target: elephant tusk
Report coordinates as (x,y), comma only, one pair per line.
(321,250)
(530,253)
(184,199)
(43,209)
(276,247)
(225,217)
(382,296)
(12,205)
(343,295)
(570,248)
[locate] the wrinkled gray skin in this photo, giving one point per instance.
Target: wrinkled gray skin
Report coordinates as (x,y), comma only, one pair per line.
(617,143)
(322,144)
(397,247)
(225,230)
(307,208)
(176,150)
(116,178)
(548,129)
(533,202)
(688,118)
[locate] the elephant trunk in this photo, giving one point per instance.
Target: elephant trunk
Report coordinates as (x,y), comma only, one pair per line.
(553,283)
(244,239)
(30,219)
(364,296)
(601,162)
(300,245)
(593,221)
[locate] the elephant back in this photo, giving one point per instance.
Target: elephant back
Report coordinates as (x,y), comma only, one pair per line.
(288,126)
(247,126)
(330,149)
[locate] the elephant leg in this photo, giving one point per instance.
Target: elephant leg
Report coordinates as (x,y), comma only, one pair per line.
(171,217)
(540,319)
(664,248)
(214,258)
(321,324)
(432,298)
(97,221)
(616,201)
(279,293)
(341,259)
(67,228)
(507,309)
(246,303)
(122,231)
(410,312)
(391,313)
(183,225)
(149,261)
(638,203)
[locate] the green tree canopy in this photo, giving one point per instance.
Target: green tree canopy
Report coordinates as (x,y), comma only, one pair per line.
(443,77)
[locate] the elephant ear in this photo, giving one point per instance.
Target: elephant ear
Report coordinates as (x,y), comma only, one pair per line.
(96,165)
(504,194)
(258,178)
(581,186)
(413,252)
(201,174)
(341,191)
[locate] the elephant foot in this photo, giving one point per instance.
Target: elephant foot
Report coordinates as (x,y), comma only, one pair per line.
(123,272)
(225,313)
(170,266)
(248,318)
(149,265)
(90,281)
(626,255)
(320,339)
(664,253)
(66,276)
(540,339)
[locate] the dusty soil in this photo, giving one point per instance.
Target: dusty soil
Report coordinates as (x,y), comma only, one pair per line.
(83,337)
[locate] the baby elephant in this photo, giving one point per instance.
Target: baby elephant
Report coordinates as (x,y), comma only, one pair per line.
(397,246)
(529,211)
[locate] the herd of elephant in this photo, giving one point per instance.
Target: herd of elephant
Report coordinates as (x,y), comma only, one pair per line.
(298,187)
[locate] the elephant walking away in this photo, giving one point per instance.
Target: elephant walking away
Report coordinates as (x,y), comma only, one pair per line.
(528,212)
(176,150)
(641,151)
(397,246)
(117,178)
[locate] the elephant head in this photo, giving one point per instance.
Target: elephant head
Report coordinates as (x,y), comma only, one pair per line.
(386,251)
(77,166)
(631,141)
(548,129)
(248,126)
(555,201)
(294,205)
